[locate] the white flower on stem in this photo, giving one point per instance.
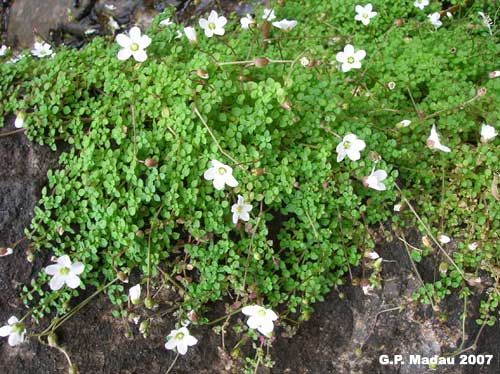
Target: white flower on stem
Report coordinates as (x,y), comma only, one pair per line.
(260,318)
(240,210)
(434,18)
(166,22)
(351,147)
(15,330)
(305,61)
(285,24)
(443,239)
(42,50)
(365,13)
(350,59)
(391,85)
(221,175)
(487,133)
(180,339)
(434,143)
(487,22)
(3,50)
(403,123)
(214,25)
(473,246)
(421,4)
(64,272)
(494,74)
(269,15)
(19,122)
(247,22)
(191,34)
(133,44)
(6,251)
(134,294)
(376,180)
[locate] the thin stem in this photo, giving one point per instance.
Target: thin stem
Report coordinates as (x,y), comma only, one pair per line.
(12,132)
(172,364)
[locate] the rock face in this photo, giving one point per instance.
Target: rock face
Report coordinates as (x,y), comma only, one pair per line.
(28,17)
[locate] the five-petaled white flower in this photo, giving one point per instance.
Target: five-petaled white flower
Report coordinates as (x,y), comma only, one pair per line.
(221,175)
(444,239)
(487,133)
(433,141)
(350,59)
(350,147)
(64,272)
(285,24)
(42,50)
(260,318)
(434,18)
(376,180)
(133,44)
(134,294)
(15,330)
(269,15)
(365,13)
(214,25)
(3,50)
(247,22)
(19,122)
(403,123)
(180,339)
(421,3)
(166,22)
(191,34)
(240,210)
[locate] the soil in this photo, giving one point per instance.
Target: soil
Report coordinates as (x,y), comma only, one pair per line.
(346,334)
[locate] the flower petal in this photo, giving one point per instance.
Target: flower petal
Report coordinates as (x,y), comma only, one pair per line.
(182,347)
(140,55)
(123,40)
(52,269)
(5,330)
(64,261)
(135,34)
(124,54)
(56,282)
(250,310)
(171,344)
(77,268)
(72,280)
(231,181)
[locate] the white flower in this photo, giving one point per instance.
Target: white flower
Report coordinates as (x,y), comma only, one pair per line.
(166,22)
(90,31)
(434,143)
(487,133)
(494,74)
(421,3)
(260,318)
(214,25)
(391,85)
(397,207)
(372,255)
(15,330)
(375,180)
(403,123)
(285,24)
(304,61)
(240,210)
(449,15)
(473,246)
(110,7)
(365,13)
(191,34)
(221,175)
(443,239)
(434,18)
(64,272)
(6,251)
(19,122)
(3,50)
(367,288)
(178,34)
(133,44)
(180,339)
(486,21)
(247,22)
(269,15)
(350,59)
(134,294)
(113,24)
(42,50)
(350,147)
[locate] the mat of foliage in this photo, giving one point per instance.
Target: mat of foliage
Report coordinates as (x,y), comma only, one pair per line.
(276,126)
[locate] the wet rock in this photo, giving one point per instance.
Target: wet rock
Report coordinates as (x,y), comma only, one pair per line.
(28,17)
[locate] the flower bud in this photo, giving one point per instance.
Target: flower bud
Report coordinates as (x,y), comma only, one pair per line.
(202,74)
(148,302)
(482,91)
(122,276)
(52,340)
(261,62)
(149,162)
(144,326)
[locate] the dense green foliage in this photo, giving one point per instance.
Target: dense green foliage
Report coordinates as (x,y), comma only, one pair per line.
(311,215)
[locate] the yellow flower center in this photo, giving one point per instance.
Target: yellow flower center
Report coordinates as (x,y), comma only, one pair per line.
(64,271)
(350,60)
(365,15)
(134,47)
(179,336)
(221,171)
(18,327)
(262,313)
(212,26)
(347,145)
